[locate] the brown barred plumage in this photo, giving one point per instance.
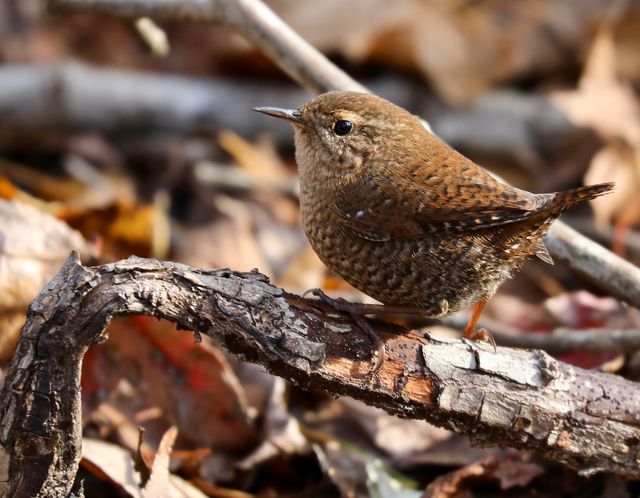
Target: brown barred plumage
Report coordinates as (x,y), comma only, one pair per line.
(405,218)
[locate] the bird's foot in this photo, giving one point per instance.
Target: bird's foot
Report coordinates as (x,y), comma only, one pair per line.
(480,335)
(337,303)
(356,312)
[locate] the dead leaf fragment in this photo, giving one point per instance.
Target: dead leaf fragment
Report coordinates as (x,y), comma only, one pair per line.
(602,102)
(33,246)
(397,437)
(461,48)
(507,472)
(115,465)
(158,484)
(157,377)
(282,430)
(608,106)
(613,163)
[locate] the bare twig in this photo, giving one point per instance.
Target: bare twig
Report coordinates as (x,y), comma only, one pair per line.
(116,102)
(606,235)
(524,399)
(153,36)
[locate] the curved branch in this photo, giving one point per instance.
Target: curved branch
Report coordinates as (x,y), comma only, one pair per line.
(523,399)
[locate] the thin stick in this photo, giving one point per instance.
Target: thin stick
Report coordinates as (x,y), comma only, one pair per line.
(559,340)
(257,22)
(564,340)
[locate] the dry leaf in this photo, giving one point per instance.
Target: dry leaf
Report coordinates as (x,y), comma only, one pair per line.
(144,227)
(396,437)
(608,106)
(260,160)
(97,204)
(110,463)
(228,242)
(281,430)
(461,48)
(414,34)
(158,484)
(360,475)
(508,472)
(114,464)
(613,163)
(305,271)
(148,364)
(602,102)
(33,246)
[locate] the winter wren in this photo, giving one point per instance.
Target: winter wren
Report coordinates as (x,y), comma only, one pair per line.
(405,218)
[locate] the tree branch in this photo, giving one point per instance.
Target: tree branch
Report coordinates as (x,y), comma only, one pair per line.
(523,399)
(560,340)
(600,266)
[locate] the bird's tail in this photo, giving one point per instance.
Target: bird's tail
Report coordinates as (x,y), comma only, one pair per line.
(582,194)
(562,201)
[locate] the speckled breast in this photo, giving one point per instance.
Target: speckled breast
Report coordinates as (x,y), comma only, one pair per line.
(438,276)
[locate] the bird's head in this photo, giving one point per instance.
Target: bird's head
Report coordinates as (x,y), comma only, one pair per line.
(339,132)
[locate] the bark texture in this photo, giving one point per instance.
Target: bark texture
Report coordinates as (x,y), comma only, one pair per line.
(525,399)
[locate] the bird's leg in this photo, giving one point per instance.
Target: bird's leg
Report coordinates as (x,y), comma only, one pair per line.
(470,331)
(356,311)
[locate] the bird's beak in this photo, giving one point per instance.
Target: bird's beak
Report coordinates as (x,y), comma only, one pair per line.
(292,115)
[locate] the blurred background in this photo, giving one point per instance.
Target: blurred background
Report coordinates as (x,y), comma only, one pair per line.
(112,145)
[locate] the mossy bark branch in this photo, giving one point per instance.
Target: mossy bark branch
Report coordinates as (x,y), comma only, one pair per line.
(524,399)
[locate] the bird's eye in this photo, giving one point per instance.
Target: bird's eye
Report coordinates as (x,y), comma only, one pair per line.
(342,127)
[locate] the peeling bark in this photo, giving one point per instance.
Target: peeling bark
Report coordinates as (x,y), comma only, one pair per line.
(525,399)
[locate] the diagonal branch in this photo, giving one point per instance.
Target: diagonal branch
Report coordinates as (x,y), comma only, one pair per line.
(609,272)
(523,399)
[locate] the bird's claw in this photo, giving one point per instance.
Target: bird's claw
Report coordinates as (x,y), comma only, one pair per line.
(313,292)
(342,306)
(337,303)
(480,335)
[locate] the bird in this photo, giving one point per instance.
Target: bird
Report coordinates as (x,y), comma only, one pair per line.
(405,218)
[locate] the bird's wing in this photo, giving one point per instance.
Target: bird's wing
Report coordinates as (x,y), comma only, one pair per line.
(378,209)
